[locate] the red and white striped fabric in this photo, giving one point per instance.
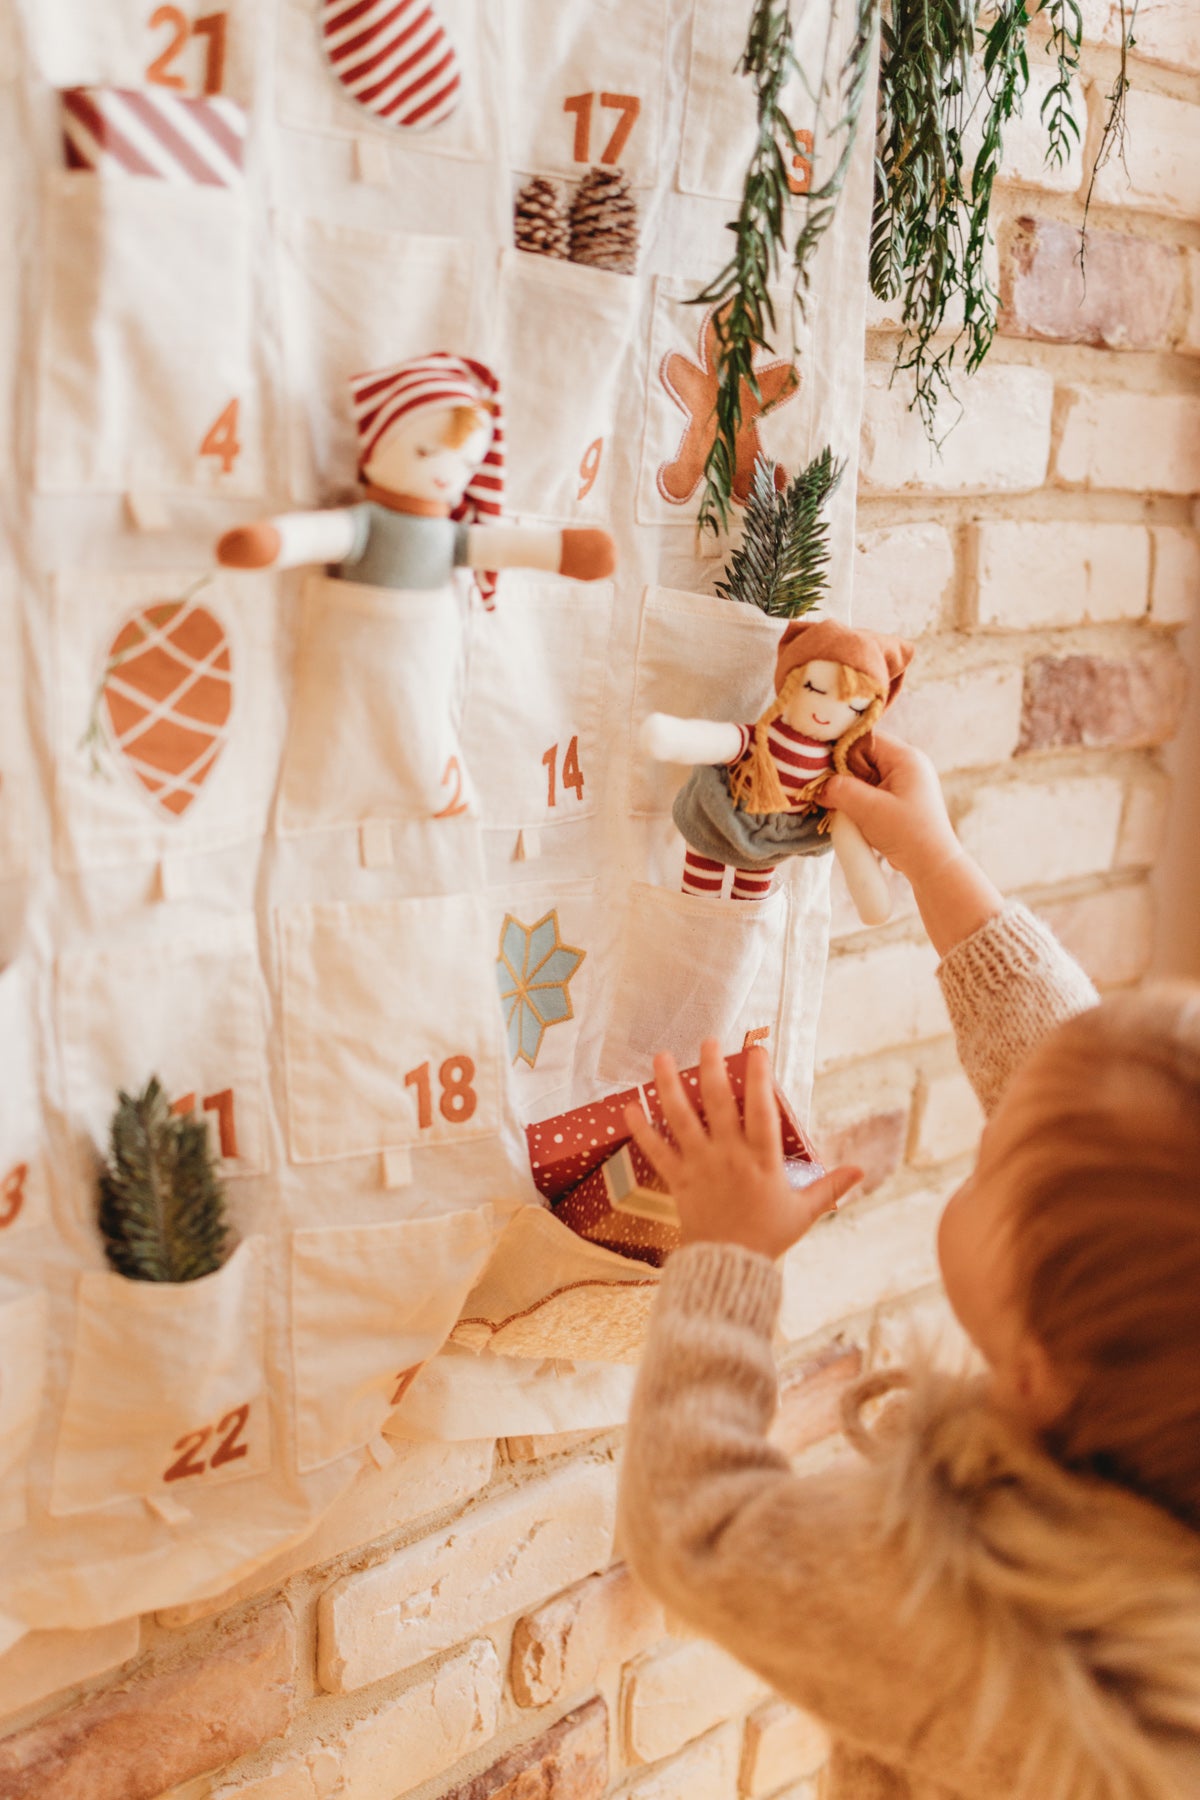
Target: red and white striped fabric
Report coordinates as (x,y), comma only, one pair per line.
(197,142)
(383,397)
(393,58)
(799,759)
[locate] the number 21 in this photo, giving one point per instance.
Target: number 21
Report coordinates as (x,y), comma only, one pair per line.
(212,28)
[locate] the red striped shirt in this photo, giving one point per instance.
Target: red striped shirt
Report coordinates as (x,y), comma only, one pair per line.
(799,759)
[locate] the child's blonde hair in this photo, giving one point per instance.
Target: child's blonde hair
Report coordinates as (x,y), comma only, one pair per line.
(755,783)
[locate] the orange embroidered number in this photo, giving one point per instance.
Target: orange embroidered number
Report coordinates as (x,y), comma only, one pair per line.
(419,1079)
(212,27)
(589,468)
(800,179)
(187,1464)
(572,774)
(628,105)
(458,1098)
(229,1449)
(221,438)
(758,1036)
(12,1194)
(550,763)
(456,804)
(221,1104)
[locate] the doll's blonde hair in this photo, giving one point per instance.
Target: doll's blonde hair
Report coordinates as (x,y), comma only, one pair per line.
(755,783)
(462,423)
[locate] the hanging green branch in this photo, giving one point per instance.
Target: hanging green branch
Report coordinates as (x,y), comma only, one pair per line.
(1065,45)
(162,1211)
(782,562)
(1112,137)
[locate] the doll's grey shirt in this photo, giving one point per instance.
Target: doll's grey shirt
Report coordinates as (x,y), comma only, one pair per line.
(402,550)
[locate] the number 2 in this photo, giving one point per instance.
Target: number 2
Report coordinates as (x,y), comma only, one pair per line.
(230,1449)
(628,105)
(212,27)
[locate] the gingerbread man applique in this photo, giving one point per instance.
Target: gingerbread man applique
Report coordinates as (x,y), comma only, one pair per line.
(693,387)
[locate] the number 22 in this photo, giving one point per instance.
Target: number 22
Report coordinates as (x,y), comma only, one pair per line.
(230,1449)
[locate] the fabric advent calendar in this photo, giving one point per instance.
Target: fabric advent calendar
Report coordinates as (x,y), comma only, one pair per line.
(371,880)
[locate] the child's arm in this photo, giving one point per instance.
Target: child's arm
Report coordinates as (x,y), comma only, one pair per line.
(1007,980)
(582,552)
(666,738)
(289,540)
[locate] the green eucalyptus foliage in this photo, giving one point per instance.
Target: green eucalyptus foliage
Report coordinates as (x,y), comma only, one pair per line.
(162,1210)
(782,562)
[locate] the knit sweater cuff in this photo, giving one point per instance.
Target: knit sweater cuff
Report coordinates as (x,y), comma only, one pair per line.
(1009,948)
(723,1281)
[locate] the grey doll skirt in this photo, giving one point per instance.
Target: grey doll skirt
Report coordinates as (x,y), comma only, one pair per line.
(705,813)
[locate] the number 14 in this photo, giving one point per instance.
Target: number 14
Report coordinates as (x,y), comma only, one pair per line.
(572,774)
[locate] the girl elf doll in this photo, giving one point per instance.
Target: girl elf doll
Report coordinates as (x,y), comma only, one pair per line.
(756,796)
(431,459)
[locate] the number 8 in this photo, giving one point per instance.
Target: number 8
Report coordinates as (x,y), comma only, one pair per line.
(458,1098)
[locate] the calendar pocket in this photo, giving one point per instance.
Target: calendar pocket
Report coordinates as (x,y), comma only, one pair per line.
(566,339)
(547,933)
(586,81)
(186,1007)
(691,968)
(699,657)
(536,684)
(369,1304)
(354,300)
(23,1198)
(391,1025)
(167,1395)
(375,708)
(145,369)
(22,1374)
(170,715)
(719,121)
(141,44)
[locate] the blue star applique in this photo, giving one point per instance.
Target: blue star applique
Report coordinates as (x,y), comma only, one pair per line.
(534,970)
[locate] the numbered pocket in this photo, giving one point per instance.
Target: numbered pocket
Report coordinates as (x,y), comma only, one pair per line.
(22,1374)
(546,936)
(391,1027)
(375,709)
(700,657)
(163,397)
(170,715)
(691,968)
(586,85)
(566,336)
(370,1303)
(537,679)
(167,1395)
(719,119)
(193,49)
(184,1006)
(355,300)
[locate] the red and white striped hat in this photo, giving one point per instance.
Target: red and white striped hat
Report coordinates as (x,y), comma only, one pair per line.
(383,397)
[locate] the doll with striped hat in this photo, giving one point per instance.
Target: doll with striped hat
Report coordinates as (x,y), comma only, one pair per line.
(755,797)
(431,461)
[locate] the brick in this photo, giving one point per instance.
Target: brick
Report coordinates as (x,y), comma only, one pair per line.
(1033,575)
(423,1479)
(1000,444)
(706,1770)
(1143,443)
(1127,301)
(1111,933)
(781,1744)
(1189,343)
(568,1762)
(534,1446)
(879,997)
(844,920)
(810,1398)
(1175,583)
(1160,170)
(49,1662)
(962,721)
(903,576)
(949,1119)
(676,1695)
(860,1115)
(162,1726)
(494,1561)
(1144,821)
(1088,701)
(561,1648)
(393,1748)
(875,1144)
(1166,32)
(1030,834)
(860,1259)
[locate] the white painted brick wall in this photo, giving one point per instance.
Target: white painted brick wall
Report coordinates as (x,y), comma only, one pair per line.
(858,1259)
(1175,585)
(1032,575)
(903,578)
(962,721)
(1001,444)
(675,1695)
(706,1770)
(1031,834)
(948,1119)
(1145,443)
(781,1744)
(46,1661)
(1160,170)
(494,1561)
(879,997)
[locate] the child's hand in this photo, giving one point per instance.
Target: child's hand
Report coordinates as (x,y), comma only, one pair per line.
(905,818)
(728,1183)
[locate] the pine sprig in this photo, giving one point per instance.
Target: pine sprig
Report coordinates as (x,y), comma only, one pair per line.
(782,562)
(162,1210)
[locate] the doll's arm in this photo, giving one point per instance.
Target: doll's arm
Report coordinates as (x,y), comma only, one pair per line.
(864,876)
(668,739)
(583,553)
(290,539)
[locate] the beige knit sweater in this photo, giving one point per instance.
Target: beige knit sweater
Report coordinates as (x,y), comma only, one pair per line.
(966,1618)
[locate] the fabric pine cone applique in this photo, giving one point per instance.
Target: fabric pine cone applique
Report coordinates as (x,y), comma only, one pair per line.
(604,222)
(540,219)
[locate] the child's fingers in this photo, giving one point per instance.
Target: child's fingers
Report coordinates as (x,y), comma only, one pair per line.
(677,1110)
(654,1147)
(763,1127)
(716,1092)
(823,1196)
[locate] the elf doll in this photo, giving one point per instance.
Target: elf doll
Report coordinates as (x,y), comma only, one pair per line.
(431,461)
(755,799)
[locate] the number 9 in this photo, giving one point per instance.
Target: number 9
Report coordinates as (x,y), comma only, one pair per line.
(589,468)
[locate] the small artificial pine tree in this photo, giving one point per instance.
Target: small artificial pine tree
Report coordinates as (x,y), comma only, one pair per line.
(540,219)
(604,222)
(782,561)
(162,1209)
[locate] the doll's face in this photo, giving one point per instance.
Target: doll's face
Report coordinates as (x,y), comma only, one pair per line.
(815,707)
(416,460)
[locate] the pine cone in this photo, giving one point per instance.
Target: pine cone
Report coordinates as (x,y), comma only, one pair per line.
(539,220)
(604,222)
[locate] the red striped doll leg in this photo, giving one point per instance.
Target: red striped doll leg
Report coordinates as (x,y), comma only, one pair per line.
(751,884)
(701,875)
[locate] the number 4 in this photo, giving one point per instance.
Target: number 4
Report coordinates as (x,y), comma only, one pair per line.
(221,438)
